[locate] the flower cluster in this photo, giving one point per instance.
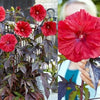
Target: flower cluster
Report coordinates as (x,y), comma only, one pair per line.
(23,28)
(78,36)
(26,52)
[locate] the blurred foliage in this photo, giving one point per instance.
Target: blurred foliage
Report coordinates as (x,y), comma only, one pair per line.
(96,2)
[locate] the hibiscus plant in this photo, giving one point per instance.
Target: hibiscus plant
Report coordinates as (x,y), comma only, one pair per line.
(27,54)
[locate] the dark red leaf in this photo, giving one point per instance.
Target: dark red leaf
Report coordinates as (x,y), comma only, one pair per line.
(62,87)
(45,85)
(11,80)
(35,66)
(7,64)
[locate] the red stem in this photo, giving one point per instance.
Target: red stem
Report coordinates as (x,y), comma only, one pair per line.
(81,90)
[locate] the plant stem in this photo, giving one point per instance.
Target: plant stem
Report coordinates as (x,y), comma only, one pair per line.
(13,66)
(81,90)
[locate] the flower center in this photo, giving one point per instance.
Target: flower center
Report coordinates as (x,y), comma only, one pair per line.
(7,42)
(22,30)
(48,26)
(81,35)
(37,12)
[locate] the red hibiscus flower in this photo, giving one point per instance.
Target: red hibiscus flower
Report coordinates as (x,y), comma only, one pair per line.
(79,36)
(38,12)
(49,28)
(8,42)
(2,14)
(23,29)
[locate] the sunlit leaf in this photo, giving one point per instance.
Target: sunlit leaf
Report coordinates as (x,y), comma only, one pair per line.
(18,94)
(86,92)
(45,85)
(20,52)
(12,8)
(35,66)
(62,58)
(73,95)
(22,67)
(26,88)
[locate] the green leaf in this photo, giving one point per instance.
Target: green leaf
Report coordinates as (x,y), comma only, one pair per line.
(12,8)
(62,58)
(7,54)
(54,69)
(11,26)
(7,76)
(37,36)
(0,35)
(32,90)
(78,92)
(22,67)
(1,90)
(86,93)
(55,47)
(68,88)
(17,98)
(1,65)
(73,95)
(18,94)
(51,19)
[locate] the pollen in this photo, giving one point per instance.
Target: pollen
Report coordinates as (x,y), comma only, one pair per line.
(22,30)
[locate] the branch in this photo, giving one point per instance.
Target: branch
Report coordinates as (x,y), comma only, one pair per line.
(81,90)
